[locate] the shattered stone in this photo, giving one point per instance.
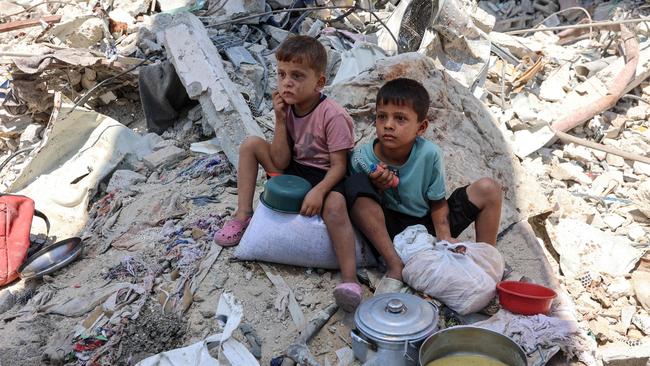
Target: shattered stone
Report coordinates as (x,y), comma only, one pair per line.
(569,171)
(600,327)
(31,134)
(133,7)
(636,113)
(124,179)
(166,156)
(642,321)
(627,312)
(619,287)
(620,354)
(641,168)
(615,160)
(640,281)
(614,221)
(82,32)
(636,233)
(163,144)
(108,97)
(578,153)
(643,198)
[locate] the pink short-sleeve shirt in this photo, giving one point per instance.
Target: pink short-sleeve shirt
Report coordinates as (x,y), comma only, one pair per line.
(326,129)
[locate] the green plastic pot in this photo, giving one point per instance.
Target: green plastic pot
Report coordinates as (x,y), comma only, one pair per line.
(285,193)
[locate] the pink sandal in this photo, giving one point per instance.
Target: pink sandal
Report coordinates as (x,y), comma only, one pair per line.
(231,232)
(348,295)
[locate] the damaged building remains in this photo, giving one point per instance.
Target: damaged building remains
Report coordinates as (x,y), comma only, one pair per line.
(122,120)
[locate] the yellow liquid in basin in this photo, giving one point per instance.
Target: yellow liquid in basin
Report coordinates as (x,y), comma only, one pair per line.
(466,360)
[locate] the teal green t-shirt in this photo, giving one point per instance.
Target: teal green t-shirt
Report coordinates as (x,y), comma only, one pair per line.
(421,178)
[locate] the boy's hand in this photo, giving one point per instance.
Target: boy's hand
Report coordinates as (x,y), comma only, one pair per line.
(280,107)
(312,203)
(382,178)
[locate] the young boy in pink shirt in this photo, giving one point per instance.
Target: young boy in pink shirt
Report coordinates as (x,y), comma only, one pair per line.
(313,135)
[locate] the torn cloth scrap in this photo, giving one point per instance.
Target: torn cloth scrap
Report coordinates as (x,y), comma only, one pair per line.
(540,330)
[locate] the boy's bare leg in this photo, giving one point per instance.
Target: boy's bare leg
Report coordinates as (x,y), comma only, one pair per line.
(253,151)
(335,215)
(368,216)
(486,194)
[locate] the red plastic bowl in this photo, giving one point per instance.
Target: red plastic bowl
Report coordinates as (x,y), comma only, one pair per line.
(525,298)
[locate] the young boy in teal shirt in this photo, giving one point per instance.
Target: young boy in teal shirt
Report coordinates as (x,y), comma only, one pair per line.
(382,206)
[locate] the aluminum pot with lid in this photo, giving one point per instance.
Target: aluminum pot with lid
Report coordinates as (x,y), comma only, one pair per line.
(390,329)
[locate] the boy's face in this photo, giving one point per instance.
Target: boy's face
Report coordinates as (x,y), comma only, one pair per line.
(298,83)
(397,125)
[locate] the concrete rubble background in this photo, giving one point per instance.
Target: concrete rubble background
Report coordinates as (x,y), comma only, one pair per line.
(76,134)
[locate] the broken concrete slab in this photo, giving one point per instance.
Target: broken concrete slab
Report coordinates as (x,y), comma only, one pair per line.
(133,7)
(82,32)
(620,354)
(584,248)
(201,70)
(166,156)
(123,179)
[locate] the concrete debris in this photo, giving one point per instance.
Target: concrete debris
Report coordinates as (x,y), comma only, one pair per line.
(124,179)
(201,70)
(500,81)
(166,156)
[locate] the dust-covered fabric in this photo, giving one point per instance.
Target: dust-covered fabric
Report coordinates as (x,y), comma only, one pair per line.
(463,276)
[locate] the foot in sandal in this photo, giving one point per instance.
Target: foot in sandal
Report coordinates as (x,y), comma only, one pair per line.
(231,232)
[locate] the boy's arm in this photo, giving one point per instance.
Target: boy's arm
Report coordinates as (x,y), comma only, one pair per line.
(313,201)
(280,150)
(439,217)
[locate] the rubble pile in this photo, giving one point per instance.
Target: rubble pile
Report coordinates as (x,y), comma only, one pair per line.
(596,177)
(559,116)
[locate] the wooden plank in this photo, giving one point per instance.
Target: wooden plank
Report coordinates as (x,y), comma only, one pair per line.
(27,23)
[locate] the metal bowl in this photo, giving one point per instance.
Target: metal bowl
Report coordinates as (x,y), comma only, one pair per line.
(468,340)
(51,258)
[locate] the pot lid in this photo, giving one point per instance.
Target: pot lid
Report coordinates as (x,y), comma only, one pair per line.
(396,317)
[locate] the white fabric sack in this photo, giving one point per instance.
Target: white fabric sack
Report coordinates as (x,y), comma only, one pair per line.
(466,283)
(293,239)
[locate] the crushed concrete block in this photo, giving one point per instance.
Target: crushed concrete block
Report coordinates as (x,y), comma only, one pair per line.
(615,160)
(82,32)
(640,281)
(636,233)
(614,221)
(11,127)
(163,144)
(620,354)
(166,156)
(637,113)
(123,179)
(642,322)
(132,7)
(578,153)
(620,287)
(31,134)
(643,198)
(201,70)
(641,168)
(108,97)
(569,171)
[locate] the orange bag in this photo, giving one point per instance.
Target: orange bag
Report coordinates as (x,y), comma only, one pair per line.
(16,214)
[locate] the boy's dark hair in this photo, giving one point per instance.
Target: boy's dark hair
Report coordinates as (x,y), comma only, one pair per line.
(303,49)
(403,91)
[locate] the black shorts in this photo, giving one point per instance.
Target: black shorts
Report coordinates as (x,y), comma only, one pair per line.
(462,212)
(311,174)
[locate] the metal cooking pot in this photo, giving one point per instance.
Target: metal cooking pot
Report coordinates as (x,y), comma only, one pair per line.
(390,329)
(470,340)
